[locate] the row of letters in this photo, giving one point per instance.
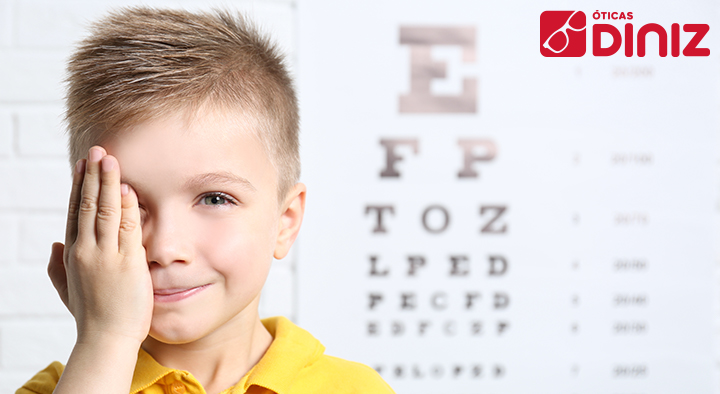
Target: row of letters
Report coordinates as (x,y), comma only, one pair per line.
(439,371)
(439,300)
(430,328)
(436,219)
(458,265)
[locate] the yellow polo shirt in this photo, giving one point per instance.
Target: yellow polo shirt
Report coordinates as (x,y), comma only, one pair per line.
(293,364)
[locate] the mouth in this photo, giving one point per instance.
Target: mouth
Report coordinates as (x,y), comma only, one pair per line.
(177,294)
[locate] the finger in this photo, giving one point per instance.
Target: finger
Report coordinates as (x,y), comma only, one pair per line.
(56,271)
(109,210)
(74,204)
(130,234)
(87,213)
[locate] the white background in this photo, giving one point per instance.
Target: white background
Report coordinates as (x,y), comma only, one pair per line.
(569,132)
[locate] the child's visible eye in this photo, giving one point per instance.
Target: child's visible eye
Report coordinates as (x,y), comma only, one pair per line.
(217,199)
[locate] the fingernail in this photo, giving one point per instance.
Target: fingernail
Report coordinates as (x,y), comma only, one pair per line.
(107,164)
(124,189)
(95,155)
(80,166)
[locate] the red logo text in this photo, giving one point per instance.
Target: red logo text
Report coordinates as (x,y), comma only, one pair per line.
(563,34)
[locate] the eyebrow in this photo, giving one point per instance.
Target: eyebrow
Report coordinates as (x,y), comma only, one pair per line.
(219,177)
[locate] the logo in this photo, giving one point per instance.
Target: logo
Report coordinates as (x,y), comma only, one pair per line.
(563,33)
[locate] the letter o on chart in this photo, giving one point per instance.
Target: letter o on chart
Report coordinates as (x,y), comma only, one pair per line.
(435,219)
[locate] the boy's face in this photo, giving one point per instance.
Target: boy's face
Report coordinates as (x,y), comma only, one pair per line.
(209,238)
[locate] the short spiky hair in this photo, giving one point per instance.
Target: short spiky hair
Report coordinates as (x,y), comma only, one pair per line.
(139,63)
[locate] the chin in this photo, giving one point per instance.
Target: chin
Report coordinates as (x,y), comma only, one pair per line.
(174,333)
(171,340)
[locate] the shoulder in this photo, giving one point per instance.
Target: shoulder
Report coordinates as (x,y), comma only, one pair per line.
(296,363)
(44,381)
(337,375)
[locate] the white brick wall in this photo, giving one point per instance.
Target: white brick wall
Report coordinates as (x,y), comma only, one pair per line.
(6,134)
(34,184)
(52,24)
(5,24)
(35,41)
(31,76)
(36,233)
(40,132)
(26,291)
(8,239)
(49,339)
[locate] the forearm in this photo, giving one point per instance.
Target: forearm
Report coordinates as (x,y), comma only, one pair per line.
(105,364)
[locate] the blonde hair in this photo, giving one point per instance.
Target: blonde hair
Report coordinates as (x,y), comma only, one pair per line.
(139,63)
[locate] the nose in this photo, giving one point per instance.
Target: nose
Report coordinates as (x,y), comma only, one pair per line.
(165,239)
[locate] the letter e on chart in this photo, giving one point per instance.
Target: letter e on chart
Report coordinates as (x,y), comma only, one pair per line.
(423,69)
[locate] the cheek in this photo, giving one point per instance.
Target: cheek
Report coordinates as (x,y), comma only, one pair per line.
(234,247)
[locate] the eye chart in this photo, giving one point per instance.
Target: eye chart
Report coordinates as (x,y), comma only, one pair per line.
(484,218)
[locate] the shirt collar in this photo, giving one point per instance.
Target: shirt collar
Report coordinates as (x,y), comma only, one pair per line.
(147,372)
(291,350)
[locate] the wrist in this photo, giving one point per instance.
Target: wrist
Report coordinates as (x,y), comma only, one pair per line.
(100,359)
(108,339)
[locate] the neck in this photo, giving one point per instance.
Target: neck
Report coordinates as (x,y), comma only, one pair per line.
(220,359)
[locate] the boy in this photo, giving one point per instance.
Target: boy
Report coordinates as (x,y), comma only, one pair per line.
(163,262)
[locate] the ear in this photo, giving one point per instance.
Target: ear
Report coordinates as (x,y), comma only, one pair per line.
(291,218)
